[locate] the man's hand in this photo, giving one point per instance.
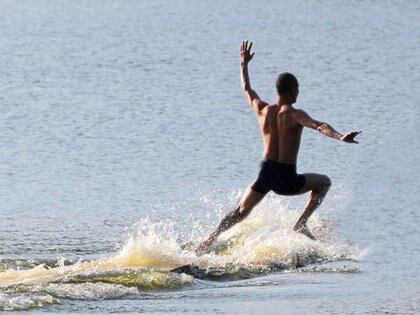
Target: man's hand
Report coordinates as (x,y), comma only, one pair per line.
(252,96)
(246,55)
(349,138)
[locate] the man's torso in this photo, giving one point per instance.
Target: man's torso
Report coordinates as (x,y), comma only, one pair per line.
(281,133)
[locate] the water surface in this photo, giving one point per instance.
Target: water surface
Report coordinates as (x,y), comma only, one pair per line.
(115,112)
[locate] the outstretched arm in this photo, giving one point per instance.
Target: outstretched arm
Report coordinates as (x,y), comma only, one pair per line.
(251,95)
(305,120)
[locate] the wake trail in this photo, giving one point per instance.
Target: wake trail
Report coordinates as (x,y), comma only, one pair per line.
(265,239)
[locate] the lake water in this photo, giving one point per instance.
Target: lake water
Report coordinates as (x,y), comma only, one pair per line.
(125,134)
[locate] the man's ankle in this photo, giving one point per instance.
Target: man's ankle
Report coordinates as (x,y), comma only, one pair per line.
(299,224)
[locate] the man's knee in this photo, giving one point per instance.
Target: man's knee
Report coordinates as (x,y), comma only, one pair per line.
(324,183)
(327,181)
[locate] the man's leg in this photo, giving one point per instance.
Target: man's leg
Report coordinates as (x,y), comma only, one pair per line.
(318,185)
(248,201)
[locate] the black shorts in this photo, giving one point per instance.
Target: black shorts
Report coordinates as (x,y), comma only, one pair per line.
(278,177)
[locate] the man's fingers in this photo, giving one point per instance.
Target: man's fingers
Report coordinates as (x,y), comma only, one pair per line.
(245,49)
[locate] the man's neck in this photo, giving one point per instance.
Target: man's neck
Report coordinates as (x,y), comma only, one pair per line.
(282,102)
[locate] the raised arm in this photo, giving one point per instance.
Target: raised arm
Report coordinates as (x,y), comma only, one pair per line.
(305,120)
(251,95)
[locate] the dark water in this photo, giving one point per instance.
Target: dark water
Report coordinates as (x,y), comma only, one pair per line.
(117,111)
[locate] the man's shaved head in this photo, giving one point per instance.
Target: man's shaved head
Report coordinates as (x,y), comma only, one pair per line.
(286,83)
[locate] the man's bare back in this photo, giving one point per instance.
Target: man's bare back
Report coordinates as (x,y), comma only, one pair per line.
(281,127)
(281,133)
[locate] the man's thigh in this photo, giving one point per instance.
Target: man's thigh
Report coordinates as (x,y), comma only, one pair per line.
(313,181)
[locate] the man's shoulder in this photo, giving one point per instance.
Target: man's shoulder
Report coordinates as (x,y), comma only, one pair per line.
(299,111)
(269,108)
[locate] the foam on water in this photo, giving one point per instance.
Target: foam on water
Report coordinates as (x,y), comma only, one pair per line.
(262,242)
(265,238)
(79,291)
(11,302)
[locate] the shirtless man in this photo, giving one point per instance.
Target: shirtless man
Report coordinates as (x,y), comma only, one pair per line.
(281,126)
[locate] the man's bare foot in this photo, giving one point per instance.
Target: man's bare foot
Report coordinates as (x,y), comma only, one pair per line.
(204,245)
(302,228)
